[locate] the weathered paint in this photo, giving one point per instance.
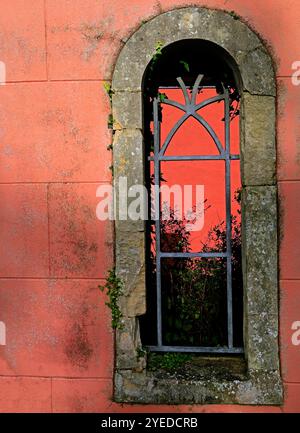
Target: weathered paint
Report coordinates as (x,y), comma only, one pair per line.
(53,136)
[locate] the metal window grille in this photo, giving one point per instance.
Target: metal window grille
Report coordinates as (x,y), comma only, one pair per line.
(191,108)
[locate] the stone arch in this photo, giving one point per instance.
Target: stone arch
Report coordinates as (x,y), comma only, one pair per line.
(259,201)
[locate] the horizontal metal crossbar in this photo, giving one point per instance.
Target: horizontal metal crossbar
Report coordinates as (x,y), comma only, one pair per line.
(186,349)
(190,255)
(176,87)
(193,157)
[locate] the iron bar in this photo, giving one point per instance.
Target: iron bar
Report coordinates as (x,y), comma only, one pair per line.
(157,218)
(196,349)
(228,222)
(194,157)
(191,255)
(190,109)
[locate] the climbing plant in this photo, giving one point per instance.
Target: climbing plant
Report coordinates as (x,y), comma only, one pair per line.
(113,287)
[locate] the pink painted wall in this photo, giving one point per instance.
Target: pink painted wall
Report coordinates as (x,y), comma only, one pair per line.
(53,251)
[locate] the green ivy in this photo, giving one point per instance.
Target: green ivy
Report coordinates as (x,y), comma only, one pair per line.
(114,289)
(234,15)
(185,65)
(167,361)
(110,120)
(157,55)
(108,89)
(141,352)
(162,97)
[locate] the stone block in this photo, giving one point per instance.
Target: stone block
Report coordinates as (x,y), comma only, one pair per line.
(259,233)
(258,150)
(127,109)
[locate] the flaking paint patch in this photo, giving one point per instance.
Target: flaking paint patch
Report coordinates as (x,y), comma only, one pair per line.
(78,348)
(92,34)
(77,248)
(52,118)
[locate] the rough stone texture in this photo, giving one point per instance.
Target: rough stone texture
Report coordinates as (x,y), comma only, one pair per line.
(260,249)
(130,264)
(127,344)
(126,109)
(129,164)
(262,384)
(196,23)
(257,71)
(130,249)
(260,276)
(258,150)
(257,388)
(262,353)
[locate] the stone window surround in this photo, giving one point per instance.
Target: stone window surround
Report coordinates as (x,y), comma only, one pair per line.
(259,203)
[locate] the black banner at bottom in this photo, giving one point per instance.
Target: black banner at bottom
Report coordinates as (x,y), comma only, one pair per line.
(136,422)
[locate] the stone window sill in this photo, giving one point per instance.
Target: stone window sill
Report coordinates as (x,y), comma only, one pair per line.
(213,380)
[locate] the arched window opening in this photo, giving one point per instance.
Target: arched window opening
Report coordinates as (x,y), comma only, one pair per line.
(219,59)
(194,270)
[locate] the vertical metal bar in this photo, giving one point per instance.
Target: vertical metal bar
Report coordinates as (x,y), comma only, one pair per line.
(157,219)
(228,253)
(228,221)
